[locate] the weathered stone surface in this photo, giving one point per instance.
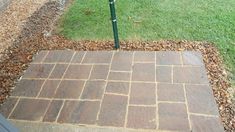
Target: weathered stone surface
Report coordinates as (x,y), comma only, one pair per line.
(87,89)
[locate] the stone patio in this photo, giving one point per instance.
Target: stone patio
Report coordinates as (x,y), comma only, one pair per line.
(115,90)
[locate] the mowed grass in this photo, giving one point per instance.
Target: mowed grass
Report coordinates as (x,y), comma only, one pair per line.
(200,20)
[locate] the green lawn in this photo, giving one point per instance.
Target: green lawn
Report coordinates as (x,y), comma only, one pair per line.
(203,20)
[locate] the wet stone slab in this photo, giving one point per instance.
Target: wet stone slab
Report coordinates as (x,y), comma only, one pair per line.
(134,90)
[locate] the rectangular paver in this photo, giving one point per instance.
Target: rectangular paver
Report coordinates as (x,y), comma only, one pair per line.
(144,56)
(118,87)
(170,92)
(143,72)
(173,116)
(28,87)
(119,76)
(59,56)
(98,57)
(113,111)
(192,58)
(122,61)
(192,75)
(38,71)
(78,72)
(81,112)
(206,124)
(200,99)
(143,94)
(168,58)
(141,117)
(30,109)
(164,74)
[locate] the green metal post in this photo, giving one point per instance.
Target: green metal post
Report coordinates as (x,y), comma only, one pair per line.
(114,23)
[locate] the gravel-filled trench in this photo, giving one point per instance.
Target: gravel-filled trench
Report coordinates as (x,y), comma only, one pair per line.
(34,37)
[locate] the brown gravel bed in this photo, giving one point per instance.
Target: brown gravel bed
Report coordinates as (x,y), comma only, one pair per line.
(13,17)
(32,40)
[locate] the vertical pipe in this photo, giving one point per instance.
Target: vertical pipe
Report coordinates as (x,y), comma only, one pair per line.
(114,23)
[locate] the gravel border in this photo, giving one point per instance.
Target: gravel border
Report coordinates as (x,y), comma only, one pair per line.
(13,18)
(34,37)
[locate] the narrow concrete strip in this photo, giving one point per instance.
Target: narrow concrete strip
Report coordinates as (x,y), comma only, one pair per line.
(25,126)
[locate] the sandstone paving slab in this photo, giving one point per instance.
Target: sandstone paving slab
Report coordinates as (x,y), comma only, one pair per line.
(98,57)
(143,72)
(113,111)
(114,91)
(142,117)
(143,94)
(170,92)
(75,71)
(59,56)
(144,56)
(38,71)
(118,87)
(30,109)
(122,61)
(28,88)
(164,74)
(173,116)
(84,112)
(192,58)
(168,58)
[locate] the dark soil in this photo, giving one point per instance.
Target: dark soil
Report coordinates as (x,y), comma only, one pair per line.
(33,39)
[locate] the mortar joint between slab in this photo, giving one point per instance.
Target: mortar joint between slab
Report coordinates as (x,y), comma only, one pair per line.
(172,102)
(58,115)
(44,82)
(205,115)
(83,87)
(157,116)
(80,96)
(142,105)
(120,71)
(157,113)
(62,78)
(83,57)
(102,98)
(129,91)
(41,118)
(109,93)
(187,107)
(43,98)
